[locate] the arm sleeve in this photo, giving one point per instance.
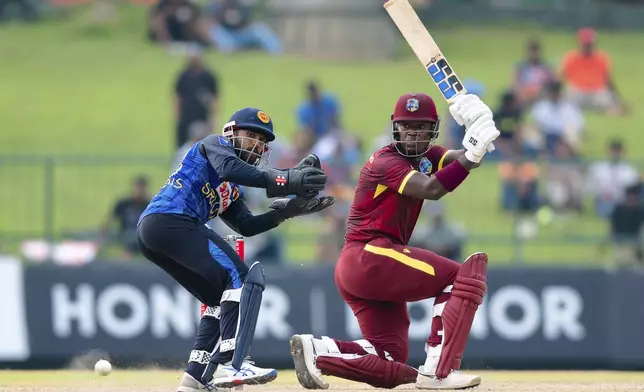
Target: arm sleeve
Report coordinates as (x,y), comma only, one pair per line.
(436,156)
(239,218)
(391,171)
(221,155)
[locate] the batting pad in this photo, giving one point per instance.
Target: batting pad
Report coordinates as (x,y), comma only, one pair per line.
(249,305)
(458,315)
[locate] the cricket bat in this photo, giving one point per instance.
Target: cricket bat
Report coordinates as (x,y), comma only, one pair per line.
(426,49)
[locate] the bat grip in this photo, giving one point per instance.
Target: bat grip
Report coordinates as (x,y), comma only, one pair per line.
(491,147)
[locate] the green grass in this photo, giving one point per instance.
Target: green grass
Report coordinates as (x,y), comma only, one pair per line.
(70,89)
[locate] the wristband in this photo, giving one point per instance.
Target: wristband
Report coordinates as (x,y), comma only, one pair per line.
(452,175)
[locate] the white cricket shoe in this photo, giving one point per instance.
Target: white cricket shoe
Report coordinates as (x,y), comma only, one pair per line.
(455,380)
(189,384)
(303,353)
(226,376)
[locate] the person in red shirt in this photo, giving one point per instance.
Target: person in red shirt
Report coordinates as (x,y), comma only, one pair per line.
(587,73)
(377,273)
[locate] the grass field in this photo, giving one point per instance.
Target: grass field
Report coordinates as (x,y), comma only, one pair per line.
(72,89)
(158,381)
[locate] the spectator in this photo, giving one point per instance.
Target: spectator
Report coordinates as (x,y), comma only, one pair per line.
(441,237)
(564,179)
(558,119)
(197,131)
(318,115)
(508,121)
(587,73)
(196,97)
(340,154)
(608,179)
(453,132)
(27,8)
(126,213)
(234,29)
(520,186)
(532,75)
(177,21)
(626,226)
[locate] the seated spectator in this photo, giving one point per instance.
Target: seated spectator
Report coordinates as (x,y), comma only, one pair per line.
(318,115)
(508,119)
(587,73)
(234,29)
(531,76)
(557,119)
(126,213)
(452,132)
(440,236)
(608,179)
(177,21)
(626,226)
(520,186)
(564,180)
(196,131)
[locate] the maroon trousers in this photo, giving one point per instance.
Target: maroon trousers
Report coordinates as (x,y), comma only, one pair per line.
(378,279)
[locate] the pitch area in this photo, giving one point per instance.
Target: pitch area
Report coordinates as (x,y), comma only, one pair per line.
(166,381)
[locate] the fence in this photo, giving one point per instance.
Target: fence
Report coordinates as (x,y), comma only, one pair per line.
(70,197)
(543,318)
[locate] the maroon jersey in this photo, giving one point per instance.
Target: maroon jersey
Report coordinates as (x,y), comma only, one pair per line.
(379,209)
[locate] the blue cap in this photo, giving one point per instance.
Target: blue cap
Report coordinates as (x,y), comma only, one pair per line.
(254,119)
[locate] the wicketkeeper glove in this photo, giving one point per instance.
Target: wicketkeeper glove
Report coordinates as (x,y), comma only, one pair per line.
(306,182)
(310,160)
(287,208)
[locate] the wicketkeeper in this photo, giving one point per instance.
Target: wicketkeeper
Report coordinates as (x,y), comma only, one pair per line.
(173,235)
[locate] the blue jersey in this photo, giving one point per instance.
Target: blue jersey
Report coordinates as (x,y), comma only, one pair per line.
(198,188)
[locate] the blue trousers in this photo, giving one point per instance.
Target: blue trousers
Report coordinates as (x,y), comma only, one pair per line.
(205,265)
(255,35)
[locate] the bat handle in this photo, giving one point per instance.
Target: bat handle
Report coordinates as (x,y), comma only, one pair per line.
(491,147)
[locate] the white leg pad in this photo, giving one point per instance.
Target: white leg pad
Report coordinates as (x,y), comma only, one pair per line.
(434,353)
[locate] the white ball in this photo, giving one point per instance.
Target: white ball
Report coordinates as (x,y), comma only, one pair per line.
(103,367)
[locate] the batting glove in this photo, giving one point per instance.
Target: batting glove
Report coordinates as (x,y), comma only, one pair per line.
(478,140)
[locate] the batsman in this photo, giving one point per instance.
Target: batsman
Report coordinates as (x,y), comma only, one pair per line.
(173,235)
(377,274)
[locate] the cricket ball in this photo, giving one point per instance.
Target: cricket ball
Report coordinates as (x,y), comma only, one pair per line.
(103,367)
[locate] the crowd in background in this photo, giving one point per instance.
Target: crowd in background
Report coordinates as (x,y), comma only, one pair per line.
(539,157)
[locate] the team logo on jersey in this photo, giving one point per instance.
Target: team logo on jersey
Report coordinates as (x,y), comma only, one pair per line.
(425,166)
(219,198)
(263,117)
(412,104)
(224,141)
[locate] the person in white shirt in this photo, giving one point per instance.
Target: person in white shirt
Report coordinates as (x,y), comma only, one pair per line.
(558,119)
(608,179)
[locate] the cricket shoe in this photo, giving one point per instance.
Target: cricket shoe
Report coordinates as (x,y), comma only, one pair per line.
(455,380)
(304,353)
(226,376)
(189,384)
